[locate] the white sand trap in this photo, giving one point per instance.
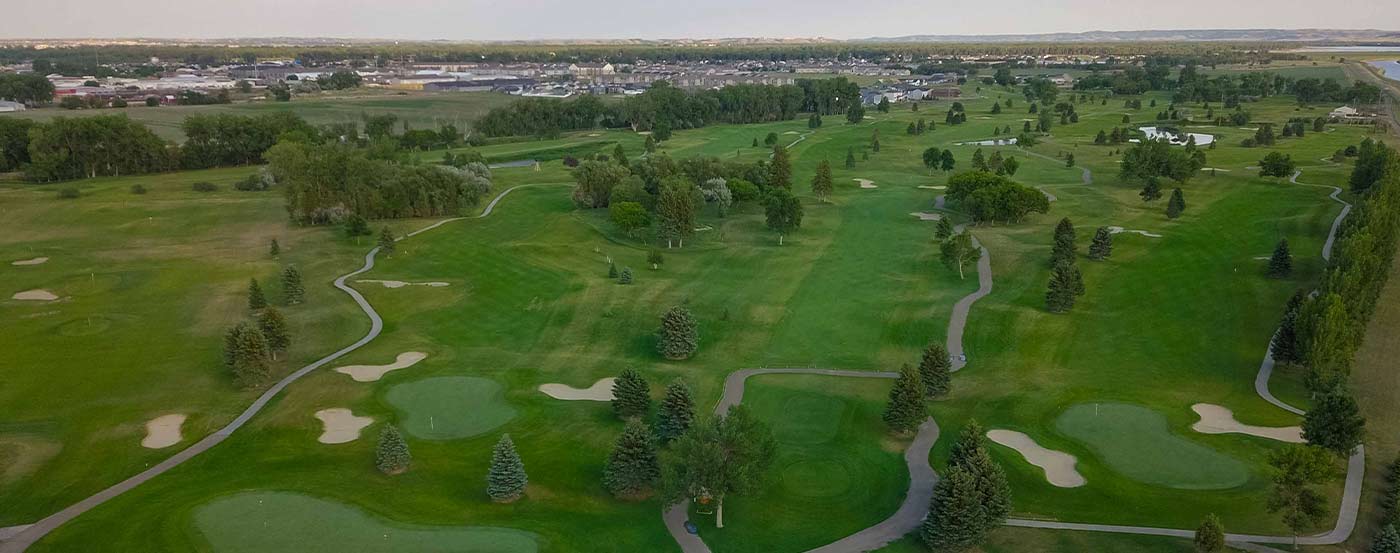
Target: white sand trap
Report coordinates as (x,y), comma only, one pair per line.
(371,373)
(1215,169)
(1118,230)
(1058,465)
(599,391)
(163,431)
(595,134)
(35,261)
(35,295)
(401,284)
(932,187)
(1263,257)
(866,183)
(1219,420)
(341,425)
(792,132)
(926,216)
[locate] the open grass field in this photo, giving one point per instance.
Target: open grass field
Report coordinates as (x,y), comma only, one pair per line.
(1167,322)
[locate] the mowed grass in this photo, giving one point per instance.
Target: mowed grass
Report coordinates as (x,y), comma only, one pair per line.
(1136,442)
(835,474)
(269,522)
(450,407)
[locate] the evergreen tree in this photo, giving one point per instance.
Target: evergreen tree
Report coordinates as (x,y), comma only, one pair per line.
(935,370)
(275,249)
(292,290)
(247,355)
(1281,262)
(946,161)
(996,108)
(256,300)
(678,337)
(676,413)
(780,169)
(1069,160)
(821,182)
(626,276)
(650,144)
(1063,250)
(850,158)
(506,480)
(274,330)
(943,230)
(391,456)
(1335,422)
(1151,191)
(1102,245)
(905,410)
(875,141)
(356,225)
(1176,204)
(386,241)
(1210,535)
(979,162)
(970,439)
(1387,541)
(620,156)
(631,395)
(632,467)
(955,513)
(755,142)
(612,270)
(1063,288)
(1285,348)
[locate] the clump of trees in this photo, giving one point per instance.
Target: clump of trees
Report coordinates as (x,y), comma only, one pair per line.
(98,146)
(719,457)
(1066,282)
(988,197)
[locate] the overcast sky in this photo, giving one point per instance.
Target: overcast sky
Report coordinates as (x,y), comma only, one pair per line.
(554,19)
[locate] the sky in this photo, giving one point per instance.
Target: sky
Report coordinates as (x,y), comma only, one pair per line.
(561,19)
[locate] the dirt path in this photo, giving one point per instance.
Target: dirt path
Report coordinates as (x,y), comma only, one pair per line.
(22,540)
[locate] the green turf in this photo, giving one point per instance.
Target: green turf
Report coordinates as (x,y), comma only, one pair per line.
(1136,442)
(269,522)
(450,407)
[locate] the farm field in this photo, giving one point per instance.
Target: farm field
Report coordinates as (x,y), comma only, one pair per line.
(149,283)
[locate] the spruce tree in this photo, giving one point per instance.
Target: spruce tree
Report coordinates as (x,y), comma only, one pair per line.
(755,142)
(391,456)
(1176,204)
(632,467)
(274,330)
(905,410)
(943,230)
(386,241)
(612,270)
(850,158)
(1285,347)
(1335,422)
(678,337)
(1151,191)
(954,514)
(970,438)
(256,299)
(620,155)
(274,249)
(1387,541)
(992,488)
(626,276)
(780,169)
(676,413)
(935,368)
(247,354)
(506,480)
(1210,535)
(292,290)
(1063,250)
(1064,285)
(1281,262)
(650,144)
(1102,246)
(631,395)
(821,182)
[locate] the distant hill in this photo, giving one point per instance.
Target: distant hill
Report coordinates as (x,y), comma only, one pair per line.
(1186,35)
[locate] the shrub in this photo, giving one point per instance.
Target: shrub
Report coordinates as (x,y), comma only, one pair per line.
(68,193)
(138,189)
(204,186)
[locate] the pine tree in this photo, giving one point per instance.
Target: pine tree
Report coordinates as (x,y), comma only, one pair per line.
(626,276)
(1063,288)
(1102,246)
(1335,422)
(1210,535)
(850,158)
(821,182)
(632,467)
(755,142)
(935,368)
(275,249)
(944,229)
(506,480)
(979,162)
(650,144)
(631,395)
(386,241)
(256,300)
(1285,348)
(992,488)
(1063,250)
(954,514)
(274,330)
(905,410)
(391,456)
(780,169)
(1176,204)
(1281,262)
(676,413)
(620,155)
(292,290)
(1151,191)
(678,337)
(247,355)
(1387,541)
(612,270)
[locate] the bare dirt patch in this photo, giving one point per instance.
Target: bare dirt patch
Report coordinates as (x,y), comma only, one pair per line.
(599,391)
(371,373)
(21,455)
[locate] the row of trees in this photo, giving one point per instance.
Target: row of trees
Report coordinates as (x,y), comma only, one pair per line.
(250,347)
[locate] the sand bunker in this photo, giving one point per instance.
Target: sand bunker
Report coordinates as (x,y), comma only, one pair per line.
(931,187)
(1215,169)
(1058,465)
(926,216)
(792,132)
(401,284)
(1219,420)
(35,261)
(163,431)
(599,391)
(340,425)
(35,295)
(1117,230)
(371,373)
(866,183)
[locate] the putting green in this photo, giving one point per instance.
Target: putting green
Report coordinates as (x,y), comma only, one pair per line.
(268,522)
(450,407)
(1135,441)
